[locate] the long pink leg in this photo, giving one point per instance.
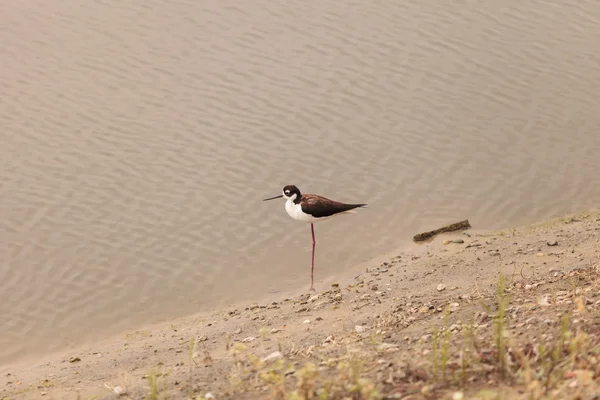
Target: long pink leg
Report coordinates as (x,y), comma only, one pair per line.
(312,270)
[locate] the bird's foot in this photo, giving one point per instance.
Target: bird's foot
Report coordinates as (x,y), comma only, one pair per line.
(312,289)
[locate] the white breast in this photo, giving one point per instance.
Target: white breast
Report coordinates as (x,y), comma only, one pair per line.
(295,211)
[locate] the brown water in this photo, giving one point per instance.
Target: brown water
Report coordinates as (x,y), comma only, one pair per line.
(139,137)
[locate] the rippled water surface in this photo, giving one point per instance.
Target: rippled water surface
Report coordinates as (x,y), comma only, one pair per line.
(138,138)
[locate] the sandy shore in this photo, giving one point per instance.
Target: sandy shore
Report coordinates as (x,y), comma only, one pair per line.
(430,323)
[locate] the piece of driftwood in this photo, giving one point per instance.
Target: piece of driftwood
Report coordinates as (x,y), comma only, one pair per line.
(459,226)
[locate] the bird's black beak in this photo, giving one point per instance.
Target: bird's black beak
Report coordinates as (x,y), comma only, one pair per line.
(271,198)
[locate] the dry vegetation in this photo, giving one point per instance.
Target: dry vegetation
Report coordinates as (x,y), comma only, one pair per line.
(535,340)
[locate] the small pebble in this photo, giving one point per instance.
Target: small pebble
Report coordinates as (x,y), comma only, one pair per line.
(388,347)
(119,390)
(441,287)
(306,321)
(276,355)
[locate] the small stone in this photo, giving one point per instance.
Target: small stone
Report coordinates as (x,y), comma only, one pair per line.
(248,339)
(359,329)
(454,307)
(441,287)
(483,317)
(276,355)
(390,347)
(119,390)
(553,243)
(238,331)
(528,287)
(209,395)
(306,321)
(543,301)
(74,359)
(458,396)
(338,296)
(374,287)
(458,241)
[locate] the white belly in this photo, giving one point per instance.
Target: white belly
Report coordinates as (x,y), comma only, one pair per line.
(295,211)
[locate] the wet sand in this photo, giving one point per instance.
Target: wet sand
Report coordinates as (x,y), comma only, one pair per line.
(384,316)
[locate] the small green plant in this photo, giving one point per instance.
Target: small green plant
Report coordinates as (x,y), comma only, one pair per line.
(156,388)
(554,355)
(468,344)
(192,362)
(441,348)
(275,379)
(499,324)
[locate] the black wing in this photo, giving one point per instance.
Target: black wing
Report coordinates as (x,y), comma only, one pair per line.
(320,207)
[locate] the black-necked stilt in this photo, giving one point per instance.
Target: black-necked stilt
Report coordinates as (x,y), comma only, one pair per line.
(312,208)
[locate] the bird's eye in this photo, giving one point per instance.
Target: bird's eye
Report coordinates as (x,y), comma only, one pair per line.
(287,192)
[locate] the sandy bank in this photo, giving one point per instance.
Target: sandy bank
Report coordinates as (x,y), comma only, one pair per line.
(421,324)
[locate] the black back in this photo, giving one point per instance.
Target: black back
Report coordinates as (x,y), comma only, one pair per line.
(320,207)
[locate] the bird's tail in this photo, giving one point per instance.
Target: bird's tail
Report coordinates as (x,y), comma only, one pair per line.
(354,207)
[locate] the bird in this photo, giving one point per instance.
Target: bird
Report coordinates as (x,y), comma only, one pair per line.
(312,208)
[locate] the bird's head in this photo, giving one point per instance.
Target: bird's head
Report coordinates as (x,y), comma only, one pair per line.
(290,192)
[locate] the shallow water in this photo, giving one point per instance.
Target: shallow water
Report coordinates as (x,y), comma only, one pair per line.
(139,137)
